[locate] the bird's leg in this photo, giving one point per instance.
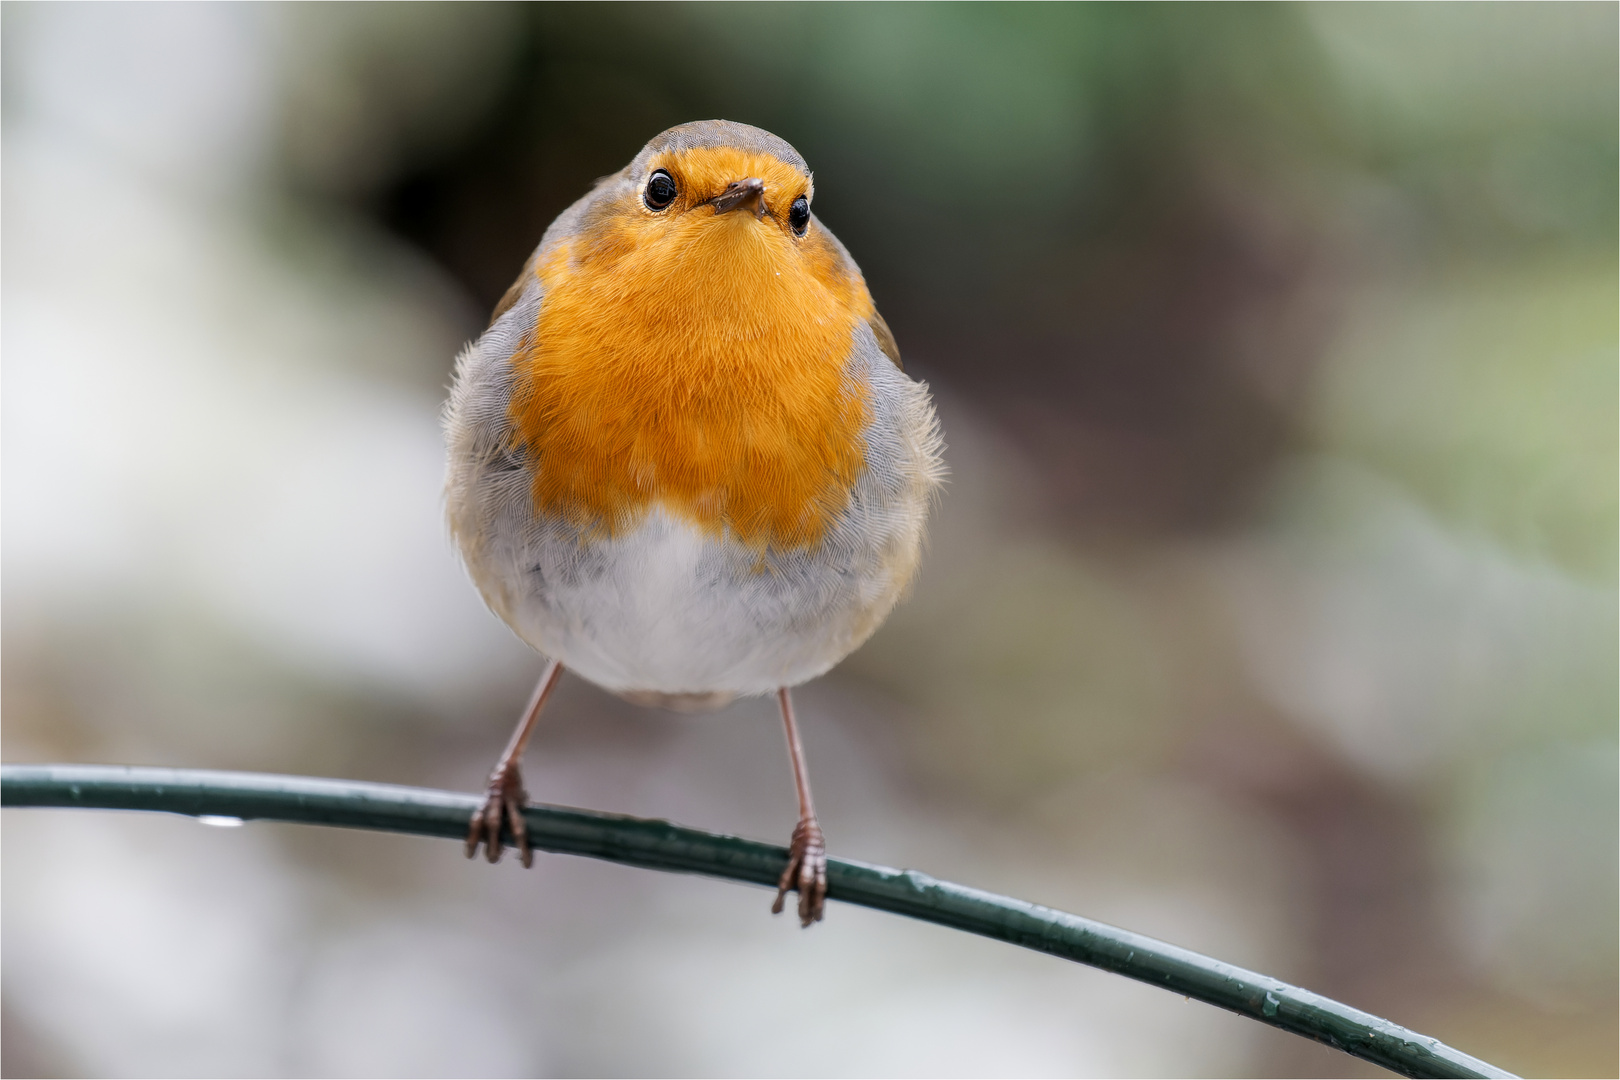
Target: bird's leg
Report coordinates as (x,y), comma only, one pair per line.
(807,856)
(504,798)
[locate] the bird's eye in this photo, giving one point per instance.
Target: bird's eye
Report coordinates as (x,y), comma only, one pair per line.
(660,190)
(799,215)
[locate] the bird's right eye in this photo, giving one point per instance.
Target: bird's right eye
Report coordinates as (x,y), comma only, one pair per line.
(660,190)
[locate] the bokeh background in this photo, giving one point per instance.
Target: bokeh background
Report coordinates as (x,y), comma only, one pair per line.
(1271,607)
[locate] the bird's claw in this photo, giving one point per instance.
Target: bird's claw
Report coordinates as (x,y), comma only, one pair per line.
(504,800)
(806,872)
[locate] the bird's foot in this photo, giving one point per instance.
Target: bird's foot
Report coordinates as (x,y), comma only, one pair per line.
(806,872)
(504,800)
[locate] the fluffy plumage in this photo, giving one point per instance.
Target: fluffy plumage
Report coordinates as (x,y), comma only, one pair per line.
(683,458)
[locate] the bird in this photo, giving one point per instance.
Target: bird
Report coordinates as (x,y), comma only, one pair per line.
(685,461)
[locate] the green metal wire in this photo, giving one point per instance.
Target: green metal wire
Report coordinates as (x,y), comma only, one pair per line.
(660,845)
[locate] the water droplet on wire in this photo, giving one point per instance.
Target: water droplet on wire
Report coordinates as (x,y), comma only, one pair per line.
(219,821)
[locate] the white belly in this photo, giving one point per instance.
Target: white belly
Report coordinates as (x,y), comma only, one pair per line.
(667,609)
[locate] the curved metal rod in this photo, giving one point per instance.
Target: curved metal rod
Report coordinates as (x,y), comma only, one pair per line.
(660,845)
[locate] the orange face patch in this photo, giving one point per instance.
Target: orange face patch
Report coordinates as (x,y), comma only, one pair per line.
(696,360)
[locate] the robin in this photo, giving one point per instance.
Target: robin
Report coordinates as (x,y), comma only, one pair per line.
(684,460)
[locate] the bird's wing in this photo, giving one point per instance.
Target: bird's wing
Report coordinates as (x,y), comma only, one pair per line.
(885,337)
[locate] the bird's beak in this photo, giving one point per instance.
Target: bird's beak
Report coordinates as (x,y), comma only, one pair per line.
(748,192)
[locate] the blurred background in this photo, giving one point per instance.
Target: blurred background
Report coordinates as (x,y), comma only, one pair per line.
(1270,609)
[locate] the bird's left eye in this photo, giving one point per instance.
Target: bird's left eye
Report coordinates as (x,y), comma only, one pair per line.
(799,215)
(660,190)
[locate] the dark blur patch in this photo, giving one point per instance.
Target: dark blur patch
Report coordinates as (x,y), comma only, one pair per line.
(25,1051)
(567,115)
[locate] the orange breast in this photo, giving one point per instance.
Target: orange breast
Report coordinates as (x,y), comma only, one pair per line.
(696,363)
